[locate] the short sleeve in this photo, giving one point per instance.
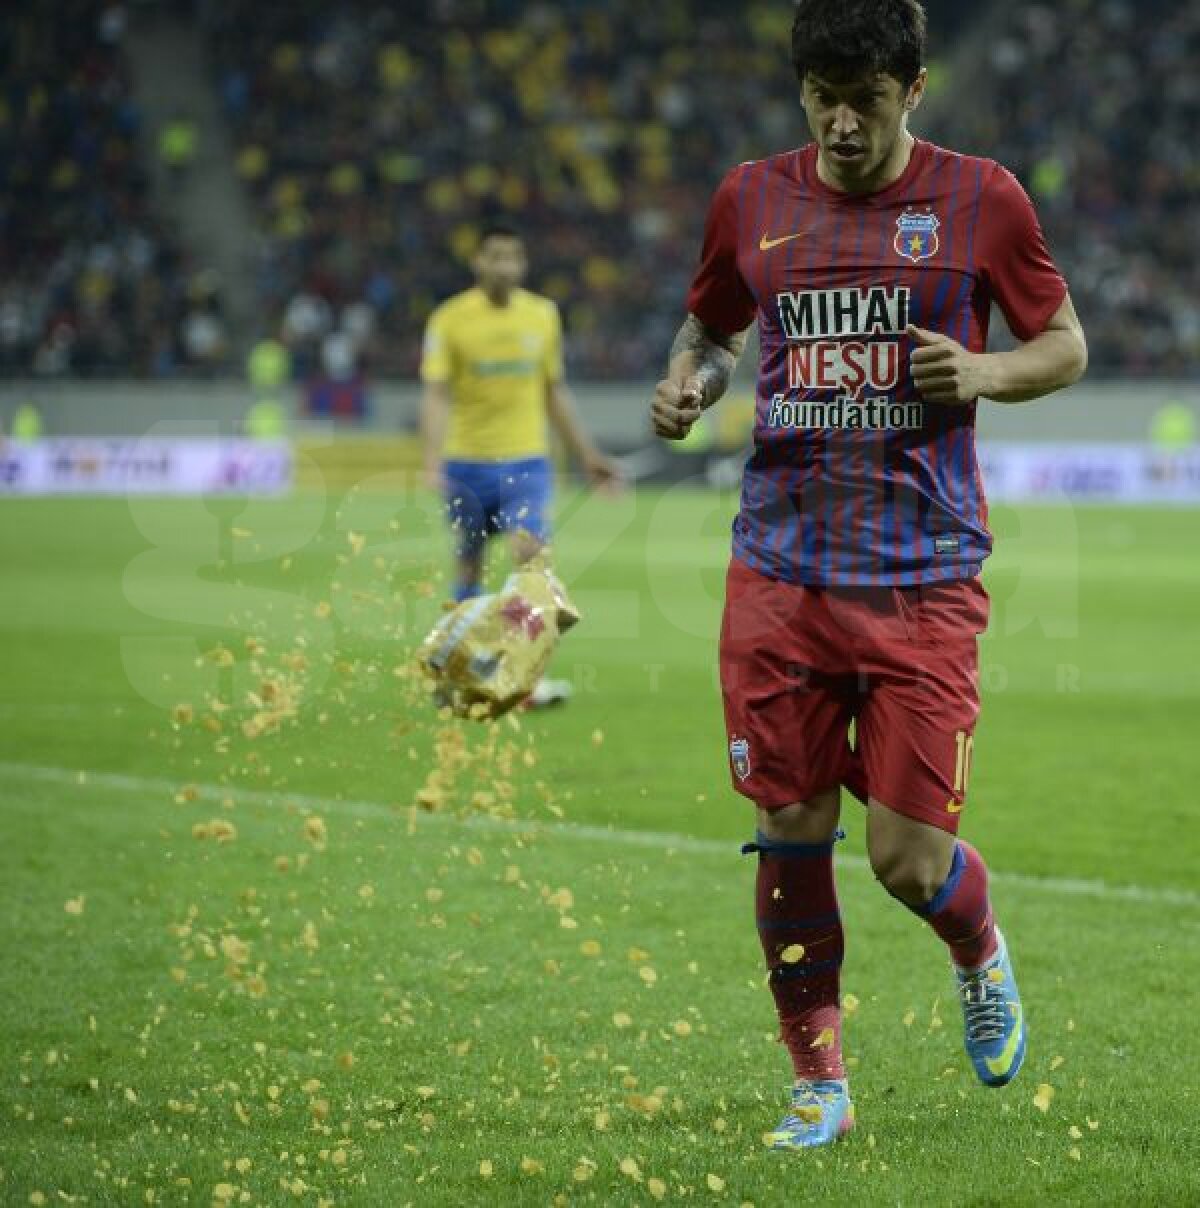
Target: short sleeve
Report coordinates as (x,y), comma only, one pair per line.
(719,297)
(435,350)
(552,353)
(1014,263)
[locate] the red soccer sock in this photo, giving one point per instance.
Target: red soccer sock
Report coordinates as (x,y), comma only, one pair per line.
(960,912)
(801,933)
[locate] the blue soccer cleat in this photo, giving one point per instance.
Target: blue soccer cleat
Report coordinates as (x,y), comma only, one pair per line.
(994,1022)
(821,1112)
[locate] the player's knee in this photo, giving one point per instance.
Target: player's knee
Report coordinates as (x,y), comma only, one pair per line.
(913,877)
(810,821)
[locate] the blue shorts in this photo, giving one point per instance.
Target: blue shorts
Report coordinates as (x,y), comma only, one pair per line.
(486,497)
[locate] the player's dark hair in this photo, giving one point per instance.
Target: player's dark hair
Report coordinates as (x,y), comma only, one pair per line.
(501,227)
(843,40)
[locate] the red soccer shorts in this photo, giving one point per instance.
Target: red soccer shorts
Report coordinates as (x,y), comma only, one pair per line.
(800,665)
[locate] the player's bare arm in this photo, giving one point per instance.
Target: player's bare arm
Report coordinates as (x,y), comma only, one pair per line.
(599,469)
(435,417)
(701,366)
(945,372)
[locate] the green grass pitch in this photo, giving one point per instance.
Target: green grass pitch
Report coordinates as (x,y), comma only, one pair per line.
(242,968)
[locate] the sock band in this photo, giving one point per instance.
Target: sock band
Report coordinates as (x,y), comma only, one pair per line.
(938,902)
(773,847)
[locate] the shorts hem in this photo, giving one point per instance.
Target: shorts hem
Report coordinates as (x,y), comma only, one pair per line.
(921,813)
(779,800)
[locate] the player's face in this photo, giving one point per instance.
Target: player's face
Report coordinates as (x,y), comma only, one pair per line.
(857,124)
(500,264)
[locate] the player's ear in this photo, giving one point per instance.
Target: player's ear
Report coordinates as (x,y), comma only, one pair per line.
(916,90)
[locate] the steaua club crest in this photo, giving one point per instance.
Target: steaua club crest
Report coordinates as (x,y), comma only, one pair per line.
(916,235)
(739,754)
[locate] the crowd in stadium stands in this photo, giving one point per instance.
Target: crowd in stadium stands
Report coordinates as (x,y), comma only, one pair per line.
(1095,105)
(90,281)
(373,137)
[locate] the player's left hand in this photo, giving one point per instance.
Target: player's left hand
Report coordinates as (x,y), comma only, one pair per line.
(943,370)
(603,473)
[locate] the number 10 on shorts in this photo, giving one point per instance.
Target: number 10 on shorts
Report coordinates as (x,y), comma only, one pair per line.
(964,744)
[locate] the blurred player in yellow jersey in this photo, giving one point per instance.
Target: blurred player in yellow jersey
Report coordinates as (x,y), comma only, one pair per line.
(492,369)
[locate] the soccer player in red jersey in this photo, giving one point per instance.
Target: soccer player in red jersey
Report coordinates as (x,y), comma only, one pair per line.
(870,259)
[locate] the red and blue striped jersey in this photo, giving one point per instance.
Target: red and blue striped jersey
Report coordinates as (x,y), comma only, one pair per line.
(854,479)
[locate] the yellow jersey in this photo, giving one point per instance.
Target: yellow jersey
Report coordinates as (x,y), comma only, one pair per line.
(497,361)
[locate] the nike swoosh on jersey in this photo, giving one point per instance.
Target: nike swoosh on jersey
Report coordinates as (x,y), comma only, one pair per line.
(999,1066)
(765,244)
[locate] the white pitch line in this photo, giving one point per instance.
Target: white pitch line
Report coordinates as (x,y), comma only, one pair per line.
(660,841)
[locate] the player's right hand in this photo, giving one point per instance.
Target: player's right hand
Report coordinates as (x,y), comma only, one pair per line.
(434,477)
(676,407)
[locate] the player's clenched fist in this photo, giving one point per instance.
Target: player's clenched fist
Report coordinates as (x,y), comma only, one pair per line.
(676,408)
(943,370)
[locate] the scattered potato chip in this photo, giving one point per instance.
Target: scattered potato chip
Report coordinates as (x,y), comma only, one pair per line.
(74,905)
(235,950)
(715,1182)
(1043,1097)
(792,954)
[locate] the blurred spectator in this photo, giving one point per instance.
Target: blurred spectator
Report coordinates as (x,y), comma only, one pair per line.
(307,320)
(339,391)
(269,370)
(177,144)
(27,423)
(268,367)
